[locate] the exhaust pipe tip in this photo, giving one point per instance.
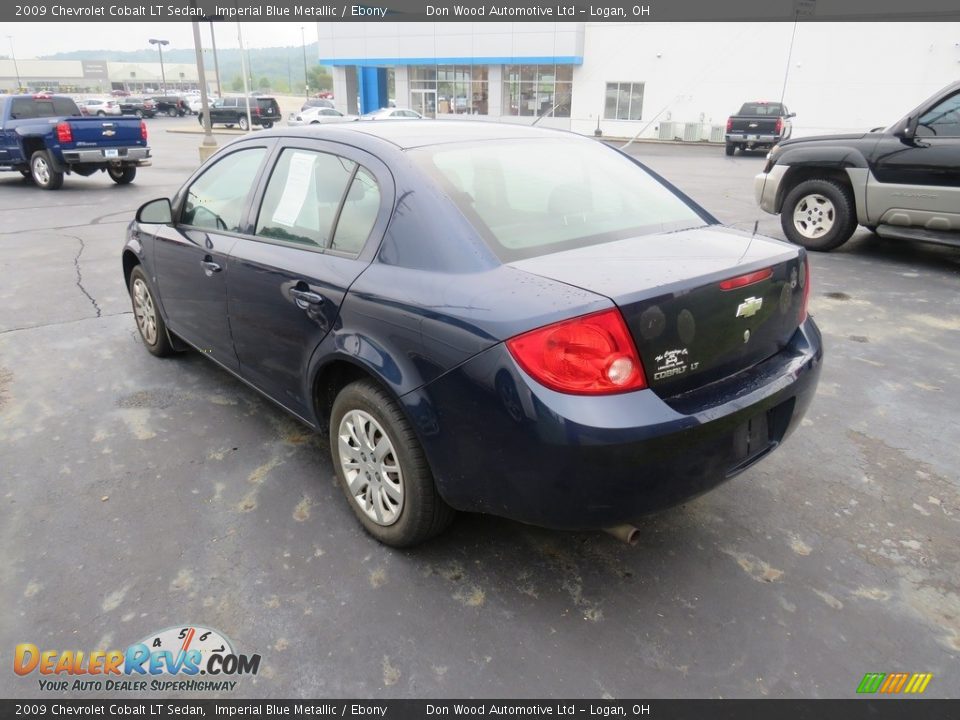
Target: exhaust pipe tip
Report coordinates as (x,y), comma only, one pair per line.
(626,533)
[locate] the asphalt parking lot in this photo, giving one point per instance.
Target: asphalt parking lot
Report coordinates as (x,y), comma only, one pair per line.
(139,494)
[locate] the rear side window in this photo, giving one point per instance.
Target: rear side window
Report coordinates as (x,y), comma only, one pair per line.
(218,199)
(319,200)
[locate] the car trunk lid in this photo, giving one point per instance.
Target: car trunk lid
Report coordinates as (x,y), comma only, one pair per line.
(690,327)
(102,132)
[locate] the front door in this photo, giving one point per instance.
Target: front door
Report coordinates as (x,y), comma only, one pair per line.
(424,102)
(319,207)
(191,256)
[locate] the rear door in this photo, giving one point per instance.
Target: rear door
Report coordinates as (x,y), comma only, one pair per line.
(322,212)
(191,257)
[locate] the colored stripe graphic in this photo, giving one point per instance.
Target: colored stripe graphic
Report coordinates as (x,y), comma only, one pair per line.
(894,683)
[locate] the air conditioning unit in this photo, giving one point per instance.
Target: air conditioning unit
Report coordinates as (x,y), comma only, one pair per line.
(668,130)
(691,132)
(718,134)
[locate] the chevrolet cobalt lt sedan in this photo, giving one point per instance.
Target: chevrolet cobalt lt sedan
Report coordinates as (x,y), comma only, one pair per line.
(482,317)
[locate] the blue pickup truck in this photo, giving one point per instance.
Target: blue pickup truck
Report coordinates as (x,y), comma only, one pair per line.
(44,137)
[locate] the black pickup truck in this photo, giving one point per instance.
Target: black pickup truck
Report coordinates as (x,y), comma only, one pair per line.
(758,125)
(900,182)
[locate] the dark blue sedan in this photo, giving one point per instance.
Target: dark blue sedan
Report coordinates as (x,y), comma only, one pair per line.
(488,318)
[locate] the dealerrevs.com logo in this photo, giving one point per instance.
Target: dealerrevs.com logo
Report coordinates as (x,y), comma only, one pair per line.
(175,659)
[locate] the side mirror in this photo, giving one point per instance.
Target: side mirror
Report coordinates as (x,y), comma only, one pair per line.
(907,129)
(791,115)
(156,212)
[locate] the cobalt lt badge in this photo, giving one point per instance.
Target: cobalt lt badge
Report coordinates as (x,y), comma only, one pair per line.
(749,307)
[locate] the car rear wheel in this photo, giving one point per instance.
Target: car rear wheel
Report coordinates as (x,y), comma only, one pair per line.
(818,215)
(43,172)
(172,112)
(266,125)
(242,122)
(730,148)
(101,113)
(382,469)
(139,114)
(122,175)
(153,331)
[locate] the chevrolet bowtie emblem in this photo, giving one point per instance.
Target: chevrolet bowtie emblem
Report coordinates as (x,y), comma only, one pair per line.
(749,307)
(109,133)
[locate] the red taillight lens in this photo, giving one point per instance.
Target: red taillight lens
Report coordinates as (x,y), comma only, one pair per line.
(589,355)
(729,124)
(805,286)
(778,128)
(64,133)
(143,131)
(255,110)
(744,280)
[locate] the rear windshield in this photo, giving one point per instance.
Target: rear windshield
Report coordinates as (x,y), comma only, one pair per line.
(268,105)
(23,108)
(775,109)
(530,198)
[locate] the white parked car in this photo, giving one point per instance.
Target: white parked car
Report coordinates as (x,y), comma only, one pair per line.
(194,104)
(392,114)
(318,116)
(100,106)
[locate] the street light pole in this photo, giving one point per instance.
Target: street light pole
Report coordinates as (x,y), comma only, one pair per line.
(216,63)
(306,82)
(160,44)
(209,144)
(13,56)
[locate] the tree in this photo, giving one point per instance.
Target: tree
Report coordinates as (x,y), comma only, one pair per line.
(264,83)
(237,83)
(319,79)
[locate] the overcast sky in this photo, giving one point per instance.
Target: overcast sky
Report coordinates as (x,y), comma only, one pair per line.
(35,39)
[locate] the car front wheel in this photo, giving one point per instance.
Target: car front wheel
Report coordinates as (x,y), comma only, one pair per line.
(730,148)
(153,331)
(818,215)
(382,469)
(242,122)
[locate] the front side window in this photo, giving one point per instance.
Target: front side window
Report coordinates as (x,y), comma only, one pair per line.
(218,199)
(319,200)
(943,120)
(529,198)
(624,101)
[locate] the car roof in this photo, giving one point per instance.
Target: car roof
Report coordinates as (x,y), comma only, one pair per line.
(406,134)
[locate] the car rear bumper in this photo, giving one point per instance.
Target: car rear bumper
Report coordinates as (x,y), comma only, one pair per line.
(126,155)
(498,442)
(753,139)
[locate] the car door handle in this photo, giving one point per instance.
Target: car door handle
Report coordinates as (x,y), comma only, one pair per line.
(210,267)
(305,298)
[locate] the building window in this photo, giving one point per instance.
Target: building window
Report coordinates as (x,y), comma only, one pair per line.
(536,90)
(624,101)
(459,89)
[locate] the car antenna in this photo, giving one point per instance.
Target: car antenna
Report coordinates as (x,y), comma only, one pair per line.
(756,224)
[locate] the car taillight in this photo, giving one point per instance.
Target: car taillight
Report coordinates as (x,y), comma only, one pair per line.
(255,110)
(778,128)
(588,355)
(143,131)
(64,133)
(805,286)
(729,124)
(743,280)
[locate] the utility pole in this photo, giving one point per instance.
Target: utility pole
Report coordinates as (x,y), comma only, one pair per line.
(246,84)
(208,145)
(216,63)
(13,56)
(160,44)
(306,81)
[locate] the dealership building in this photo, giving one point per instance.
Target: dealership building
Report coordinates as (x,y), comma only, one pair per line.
(93,76)
(655,80)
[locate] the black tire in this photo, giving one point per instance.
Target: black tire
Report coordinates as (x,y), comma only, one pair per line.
(43,173)
(266,125)
(829,203)
(200,118)
(101,113)
(730,148)
(229,125)
(242,123)
(139,114)
(160,346)
(423,513)
(172,112)
(122,175)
